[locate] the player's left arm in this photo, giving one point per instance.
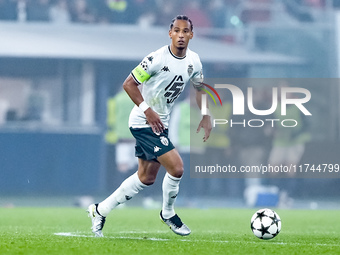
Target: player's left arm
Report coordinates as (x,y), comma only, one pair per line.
(197,81)
(206,121)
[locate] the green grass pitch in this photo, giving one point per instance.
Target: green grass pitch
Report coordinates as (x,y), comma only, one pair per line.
(139,231)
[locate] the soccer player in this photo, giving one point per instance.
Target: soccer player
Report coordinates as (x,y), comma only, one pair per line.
(164,74)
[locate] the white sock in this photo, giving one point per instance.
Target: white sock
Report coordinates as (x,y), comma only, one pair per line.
(127,190)
(170,190)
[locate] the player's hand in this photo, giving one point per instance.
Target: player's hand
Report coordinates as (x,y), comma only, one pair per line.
(206,125)
(154,121)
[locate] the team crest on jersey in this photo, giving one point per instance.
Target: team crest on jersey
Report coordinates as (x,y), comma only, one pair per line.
(164,140)
(190,69)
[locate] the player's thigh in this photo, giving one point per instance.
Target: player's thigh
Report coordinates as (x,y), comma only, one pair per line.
(172,162)
(147,170)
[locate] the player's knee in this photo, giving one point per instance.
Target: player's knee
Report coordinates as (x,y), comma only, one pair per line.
(178,172)
(148,180)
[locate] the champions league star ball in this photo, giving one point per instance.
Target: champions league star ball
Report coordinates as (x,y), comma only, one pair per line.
(265,224)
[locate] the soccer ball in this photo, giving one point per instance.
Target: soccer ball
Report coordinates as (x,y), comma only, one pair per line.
(265,224)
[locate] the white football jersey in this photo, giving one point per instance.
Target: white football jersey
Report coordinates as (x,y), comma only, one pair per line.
(164,77)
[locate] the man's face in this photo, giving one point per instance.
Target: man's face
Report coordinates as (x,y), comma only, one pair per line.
(180,34)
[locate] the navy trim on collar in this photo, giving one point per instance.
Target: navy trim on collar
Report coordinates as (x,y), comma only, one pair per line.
(174,54)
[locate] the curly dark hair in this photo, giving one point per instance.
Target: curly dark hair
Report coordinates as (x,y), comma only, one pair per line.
(182,17)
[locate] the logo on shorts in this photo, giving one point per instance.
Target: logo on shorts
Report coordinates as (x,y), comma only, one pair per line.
(156,149)
(164,140)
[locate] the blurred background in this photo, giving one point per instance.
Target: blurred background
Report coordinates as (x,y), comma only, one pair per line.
(63,118)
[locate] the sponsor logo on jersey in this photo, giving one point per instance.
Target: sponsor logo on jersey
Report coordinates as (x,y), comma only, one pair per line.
(164,140)
(165,69)
(174,89)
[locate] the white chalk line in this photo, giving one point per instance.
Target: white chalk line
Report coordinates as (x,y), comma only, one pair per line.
(70,234)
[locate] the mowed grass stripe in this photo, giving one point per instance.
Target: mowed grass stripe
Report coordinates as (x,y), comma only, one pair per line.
(139,231)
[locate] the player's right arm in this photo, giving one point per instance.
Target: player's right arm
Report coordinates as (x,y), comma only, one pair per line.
(153,119)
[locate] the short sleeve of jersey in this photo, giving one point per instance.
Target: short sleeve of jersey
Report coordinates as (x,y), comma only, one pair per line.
(146,68)
(197,78)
